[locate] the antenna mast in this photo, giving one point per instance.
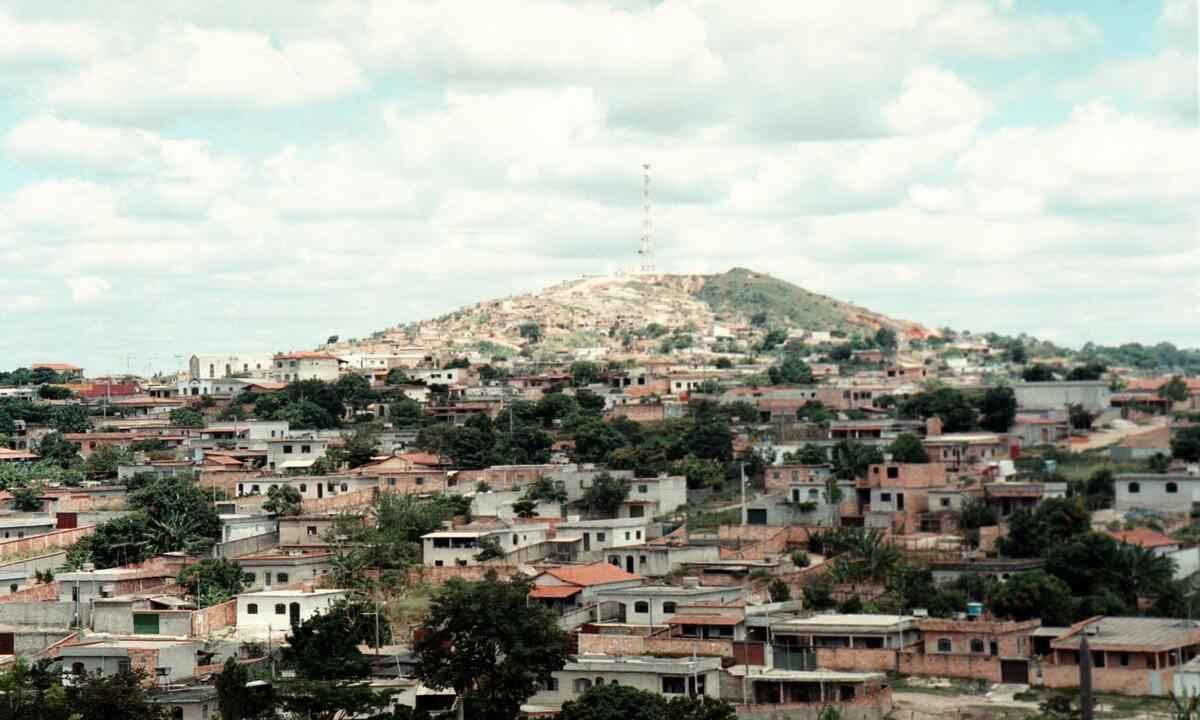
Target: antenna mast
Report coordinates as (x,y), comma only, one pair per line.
(647,247)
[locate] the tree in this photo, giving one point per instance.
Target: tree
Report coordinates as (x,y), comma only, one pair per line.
(406,413)
(532,332)
(1017,354)
(58,450)
(1090,371)
(54,392)
(998,409)
(357,449)
(332,339)
(779,591)
(70,419)
(885,338)
(1080,417)
(605,495)
(1038,373)
(1186,444)
(907,448)
(26,500)
(1100,490)
(584,373)
(792,371)
(1052,523)
(710,438)
(724,363)
(1176,390)
(595,439)
(490,644)
(810,454)
(325,646)
(102,463)
(623,702)
(186,417)
(284,500)
(1034,594)
(525,508)
(355,390)
(956,411)
(546,490)
(396,376)
(211,582)
(852,459)
(239,702)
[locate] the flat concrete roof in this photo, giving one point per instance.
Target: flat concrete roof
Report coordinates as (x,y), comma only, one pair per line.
(296,593)
(759,673)
(855,622)
(642,663)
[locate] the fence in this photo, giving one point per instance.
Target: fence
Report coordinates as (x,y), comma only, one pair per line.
(246,545)
(212,618)
(346,501)
(40,544)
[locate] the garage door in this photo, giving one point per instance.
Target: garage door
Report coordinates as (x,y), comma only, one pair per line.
(145,624)
(1014,672)
(756,516)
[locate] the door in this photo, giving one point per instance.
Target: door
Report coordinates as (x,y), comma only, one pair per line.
(294,613)
(1014,672)
(6,644)
(587,542)
(629,563)
(145,623)
(899,501)
(66,520)
(320,490)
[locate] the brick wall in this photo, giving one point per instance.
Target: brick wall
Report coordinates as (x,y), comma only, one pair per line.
(618,645)
(214,618)
(353,499)
(144,659)
(35,544)
(951,665)
(856,659)
(37,593)
(470,573)
(1107,679)
(871,706)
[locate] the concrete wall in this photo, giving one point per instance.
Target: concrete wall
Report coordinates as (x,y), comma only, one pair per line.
(31,642)
(1151,492)
(875,706)
(37,614)
(246,546)
(1093,395)
(41,544)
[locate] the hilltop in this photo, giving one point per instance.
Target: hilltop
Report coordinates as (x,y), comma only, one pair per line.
(623,311)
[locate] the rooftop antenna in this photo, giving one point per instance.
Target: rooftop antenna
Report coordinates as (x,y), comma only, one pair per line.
(647,248)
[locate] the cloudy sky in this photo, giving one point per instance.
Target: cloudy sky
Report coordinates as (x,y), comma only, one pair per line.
(180,177)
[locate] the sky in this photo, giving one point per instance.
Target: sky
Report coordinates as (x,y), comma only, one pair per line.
(181,177)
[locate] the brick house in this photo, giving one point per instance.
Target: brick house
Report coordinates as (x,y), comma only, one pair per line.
(996,650)
(1130,655)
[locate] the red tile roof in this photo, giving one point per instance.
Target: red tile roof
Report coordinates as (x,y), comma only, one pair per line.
(594,574)
(554,591)
(1145,537)
(306,356)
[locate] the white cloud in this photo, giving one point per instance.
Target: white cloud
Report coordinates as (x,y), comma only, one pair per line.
(25,42)
(88,289)
(187,66)
(934,99)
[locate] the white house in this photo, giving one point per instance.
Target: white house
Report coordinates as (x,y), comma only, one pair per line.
(601,535)
(462,545)
(275,611)
(290,367)
(669,677)
(296,452)
(222,365)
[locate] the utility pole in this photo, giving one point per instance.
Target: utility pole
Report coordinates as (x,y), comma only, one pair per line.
(745,512)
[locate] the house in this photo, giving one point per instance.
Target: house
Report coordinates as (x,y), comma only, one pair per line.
(1093,395)
(271,611)
(572,586)
(281,568)
(998,651)
(598,536)
(293,367)
(136,614)
(312,530)
(654,605)
(1143,445)
(903,489)
(17,456)
(161,660)
(659,559)
(298,451)
(781,477)
(20,525)
(669,677)
(649,497)
(1034,430)
(835,639)
(1130,655)
(461,546)
(794,691)
(1156,542)
(966,453)
(71,371)
(237,527)
(1169,492)
(223,365)
(195,702)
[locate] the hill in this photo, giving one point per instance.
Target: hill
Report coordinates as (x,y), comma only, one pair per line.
(634,312)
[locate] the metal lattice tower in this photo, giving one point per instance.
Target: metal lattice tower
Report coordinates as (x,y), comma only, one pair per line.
(647,247)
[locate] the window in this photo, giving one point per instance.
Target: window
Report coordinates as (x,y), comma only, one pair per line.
(674,686)
(893,472)
(599,681)
(637,534)
(976,645)
(1172,487)
(345,487)
(945,502)
(944,645)
(582,685)
(795,496)
(642,560)
(123,665)
(550,684)
(250,578)
(392,482)
(303,488)
(252,609)
(176,713)
(1123,659)
(643,489)
(438,563)
(626,534)
(12,588)
(306,448)
(280,609)
(77,668)
(287,449)
(885,497)
(281,578)
(641,607)
(311,530)
(1135,488)
(669,608)
(419,481)
(514,542)
(599,537)
(813,492)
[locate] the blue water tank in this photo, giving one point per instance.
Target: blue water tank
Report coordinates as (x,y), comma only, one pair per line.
(974,609)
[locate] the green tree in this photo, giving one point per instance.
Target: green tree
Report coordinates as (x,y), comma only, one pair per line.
(187,417)
(532,332)
(211,582)
(1186,444)
(622,702)
(396,376)
(779,591)
(885,338)
(102,463)
(724,363)
(54,392)
(284,500)
(792,371)
(1038,373)
(355,390)
(907,448)
(810,454)
(27,500)
(71,419)
(325,646)
(1090,371)
(545,489)
(56,449)
(951,405)
(605,495)
(584,373)
(239,702)
(1034,594)
(1081,418)
(1175,390)
(406,413)
(998,409)
(1054,522)
(852,459)
(356,449)
(492,646)
(595,439)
